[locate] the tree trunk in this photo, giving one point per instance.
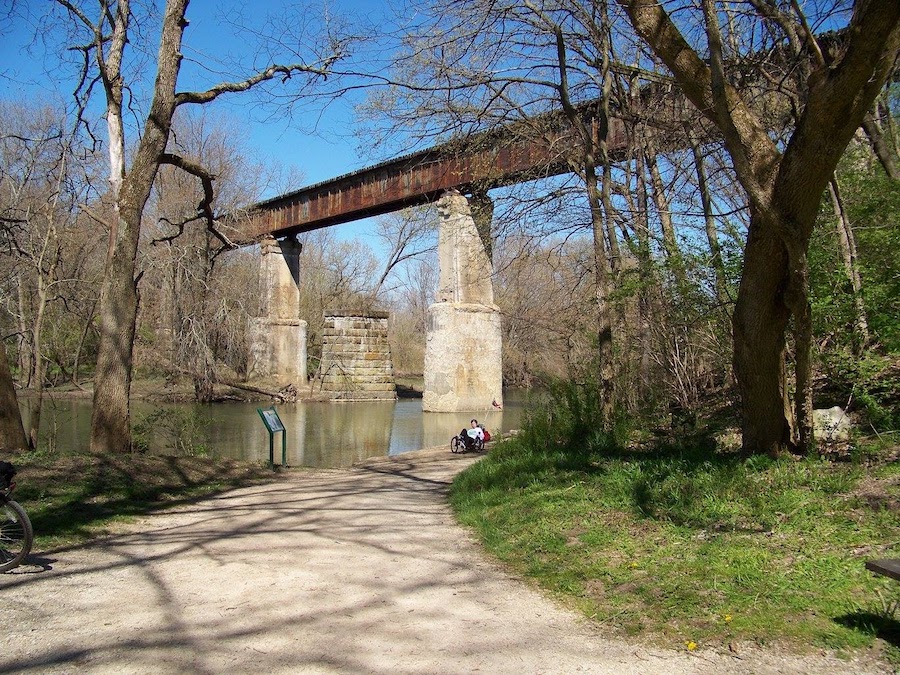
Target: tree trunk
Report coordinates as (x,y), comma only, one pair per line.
(81,340)
(712,235)
(797,297)
(110,417)
(602,280)
(12,433)
(759,323)
(890,124)
(882,149)
(670,243)
(615,254)
(783,190)
(847,244)
(642,223)
(594,142)
(24,343)
(39,369)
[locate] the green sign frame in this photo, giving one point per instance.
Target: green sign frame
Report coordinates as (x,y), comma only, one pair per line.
(274,425)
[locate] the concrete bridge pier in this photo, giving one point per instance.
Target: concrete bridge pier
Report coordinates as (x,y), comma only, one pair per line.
(463,350)
(278,354)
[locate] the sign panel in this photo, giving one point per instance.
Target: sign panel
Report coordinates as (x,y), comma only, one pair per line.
(271,419)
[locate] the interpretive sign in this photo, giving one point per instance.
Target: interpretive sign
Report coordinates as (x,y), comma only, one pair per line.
(273,423)
(271,419)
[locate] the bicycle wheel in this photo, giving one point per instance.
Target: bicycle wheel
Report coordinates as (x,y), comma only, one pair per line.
(456,445)
(16,535)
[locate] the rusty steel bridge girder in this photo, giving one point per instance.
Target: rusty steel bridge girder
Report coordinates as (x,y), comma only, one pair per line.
(484,161)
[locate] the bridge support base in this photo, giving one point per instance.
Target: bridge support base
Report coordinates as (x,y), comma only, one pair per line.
(278,354)
(463,350)
(356,357)
(462,358)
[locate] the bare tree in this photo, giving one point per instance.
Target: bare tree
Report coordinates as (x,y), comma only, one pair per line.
(406,236)
(336,275)
(542,288)
(475,64)
(183,302)
(103,33)
(709,220)
(42,180)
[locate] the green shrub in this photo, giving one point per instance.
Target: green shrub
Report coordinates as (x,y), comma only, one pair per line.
(567,417)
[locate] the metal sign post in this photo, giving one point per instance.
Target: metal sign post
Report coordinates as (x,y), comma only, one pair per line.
(274,424)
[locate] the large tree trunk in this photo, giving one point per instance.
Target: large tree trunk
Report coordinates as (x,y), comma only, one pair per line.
(783,190)
(110,417)
(12,433)
(759,323)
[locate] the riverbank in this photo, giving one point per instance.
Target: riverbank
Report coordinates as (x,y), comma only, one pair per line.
(180,390)
(362,570)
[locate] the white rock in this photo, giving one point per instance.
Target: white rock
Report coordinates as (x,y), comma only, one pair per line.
(831,424)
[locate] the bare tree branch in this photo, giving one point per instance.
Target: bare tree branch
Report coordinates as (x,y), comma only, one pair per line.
(204,208)
(268,74)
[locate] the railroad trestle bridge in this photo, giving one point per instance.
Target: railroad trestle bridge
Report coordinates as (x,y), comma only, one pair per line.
(463,355)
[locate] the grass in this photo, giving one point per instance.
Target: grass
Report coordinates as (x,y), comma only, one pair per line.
(690,546)
(71,498)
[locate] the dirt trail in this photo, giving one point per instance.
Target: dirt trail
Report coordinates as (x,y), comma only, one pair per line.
(358,571)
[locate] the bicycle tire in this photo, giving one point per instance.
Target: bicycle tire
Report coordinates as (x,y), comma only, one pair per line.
(455,445)
(16,535)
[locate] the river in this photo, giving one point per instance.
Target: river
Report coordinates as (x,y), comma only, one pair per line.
(324,435)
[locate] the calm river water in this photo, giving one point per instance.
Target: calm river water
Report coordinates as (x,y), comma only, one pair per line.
(324,435)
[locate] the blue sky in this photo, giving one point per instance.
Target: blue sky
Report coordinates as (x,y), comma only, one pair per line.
(330,150)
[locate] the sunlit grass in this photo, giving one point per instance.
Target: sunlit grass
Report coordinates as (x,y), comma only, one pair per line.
(691,546)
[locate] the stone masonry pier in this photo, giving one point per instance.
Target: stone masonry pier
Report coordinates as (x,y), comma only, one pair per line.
(356,357)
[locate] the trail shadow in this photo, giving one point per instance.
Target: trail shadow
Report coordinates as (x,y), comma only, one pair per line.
(874,624)
(34,564)
(381,568)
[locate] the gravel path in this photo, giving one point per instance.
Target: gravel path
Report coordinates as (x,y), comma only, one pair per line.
(357,571)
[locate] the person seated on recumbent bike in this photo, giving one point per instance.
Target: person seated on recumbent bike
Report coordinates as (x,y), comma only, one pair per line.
(470,437)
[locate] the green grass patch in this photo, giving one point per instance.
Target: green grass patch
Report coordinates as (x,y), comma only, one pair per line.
(688,544)
(71,498)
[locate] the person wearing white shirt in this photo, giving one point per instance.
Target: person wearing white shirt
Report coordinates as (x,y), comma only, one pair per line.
(475,431)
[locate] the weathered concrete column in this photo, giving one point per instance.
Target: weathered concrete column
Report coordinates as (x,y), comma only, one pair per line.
(463,350)
(279,336)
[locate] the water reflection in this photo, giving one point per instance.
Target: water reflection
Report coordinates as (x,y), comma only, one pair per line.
(324,435)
